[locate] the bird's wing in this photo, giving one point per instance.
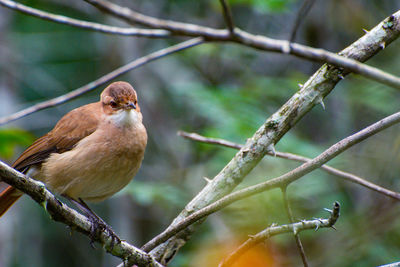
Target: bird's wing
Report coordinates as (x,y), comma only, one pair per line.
(73,127)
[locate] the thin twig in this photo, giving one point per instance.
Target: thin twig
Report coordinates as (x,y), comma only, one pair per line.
(62,213)
(83,24)
(175,27)
(290,156)
(291,220)
(391,24)
(208,140)
(300,17)
(227,16)
(280,181)
(280,229)
(102,80)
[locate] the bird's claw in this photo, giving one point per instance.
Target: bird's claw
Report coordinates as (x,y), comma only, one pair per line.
(98,226)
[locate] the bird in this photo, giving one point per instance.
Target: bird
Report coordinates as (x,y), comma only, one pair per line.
(92,152)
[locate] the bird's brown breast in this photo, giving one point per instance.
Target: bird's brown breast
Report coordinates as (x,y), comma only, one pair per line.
(100,164)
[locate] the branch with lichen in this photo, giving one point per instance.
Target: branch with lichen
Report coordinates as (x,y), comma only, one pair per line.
(180,228)
(60,212)
(276,126)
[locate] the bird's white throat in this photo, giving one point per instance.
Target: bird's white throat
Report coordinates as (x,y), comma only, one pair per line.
(124,118)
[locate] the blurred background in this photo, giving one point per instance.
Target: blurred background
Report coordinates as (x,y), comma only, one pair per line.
(217,90)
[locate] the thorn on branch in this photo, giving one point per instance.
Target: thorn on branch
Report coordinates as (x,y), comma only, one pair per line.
(245,151)
(252,236)
(328,210)
(321,102)
(271,150)
(208,180)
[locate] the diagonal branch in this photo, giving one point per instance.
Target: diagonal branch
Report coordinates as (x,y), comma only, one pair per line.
(64,214)
(301,14)
(278,182)
(312,93)
(83,24)
(280,229)
(290,156)
(102,80)
(383,34)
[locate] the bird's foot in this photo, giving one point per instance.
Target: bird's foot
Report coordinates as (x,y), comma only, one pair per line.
(98,226)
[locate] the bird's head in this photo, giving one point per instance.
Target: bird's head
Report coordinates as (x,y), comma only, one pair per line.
(119,99)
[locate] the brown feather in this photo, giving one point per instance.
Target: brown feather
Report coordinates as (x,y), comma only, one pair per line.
(8,198)
(74,126)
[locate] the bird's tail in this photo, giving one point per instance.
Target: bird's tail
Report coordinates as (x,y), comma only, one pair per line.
(8,198)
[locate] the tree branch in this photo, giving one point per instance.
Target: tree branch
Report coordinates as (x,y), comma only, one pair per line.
(64,214)
(227,16)
(314,90)
(176,28)
(208,140)
(393,264)
(280,181)
(300,17)
(287,228)
(295,232)
(102,80)
(383,34)
(290,156)
(83,24)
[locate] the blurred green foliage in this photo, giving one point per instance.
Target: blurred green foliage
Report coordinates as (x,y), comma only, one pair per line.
(217,90)
(265,5)
(11,138)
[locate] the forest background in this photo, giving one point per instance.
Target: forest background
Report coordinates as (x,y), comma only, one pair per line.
(220,90)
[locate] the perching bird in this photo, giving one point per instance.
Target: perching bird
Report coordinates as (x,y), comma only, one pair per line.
(92,152)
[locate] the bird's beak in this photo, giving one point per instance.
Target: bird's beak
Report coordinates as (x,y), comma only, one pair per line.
(130,105)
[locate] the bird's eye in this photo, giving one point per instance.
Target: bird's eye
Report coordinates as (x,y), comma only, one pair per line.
(135,102)
(113,104)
